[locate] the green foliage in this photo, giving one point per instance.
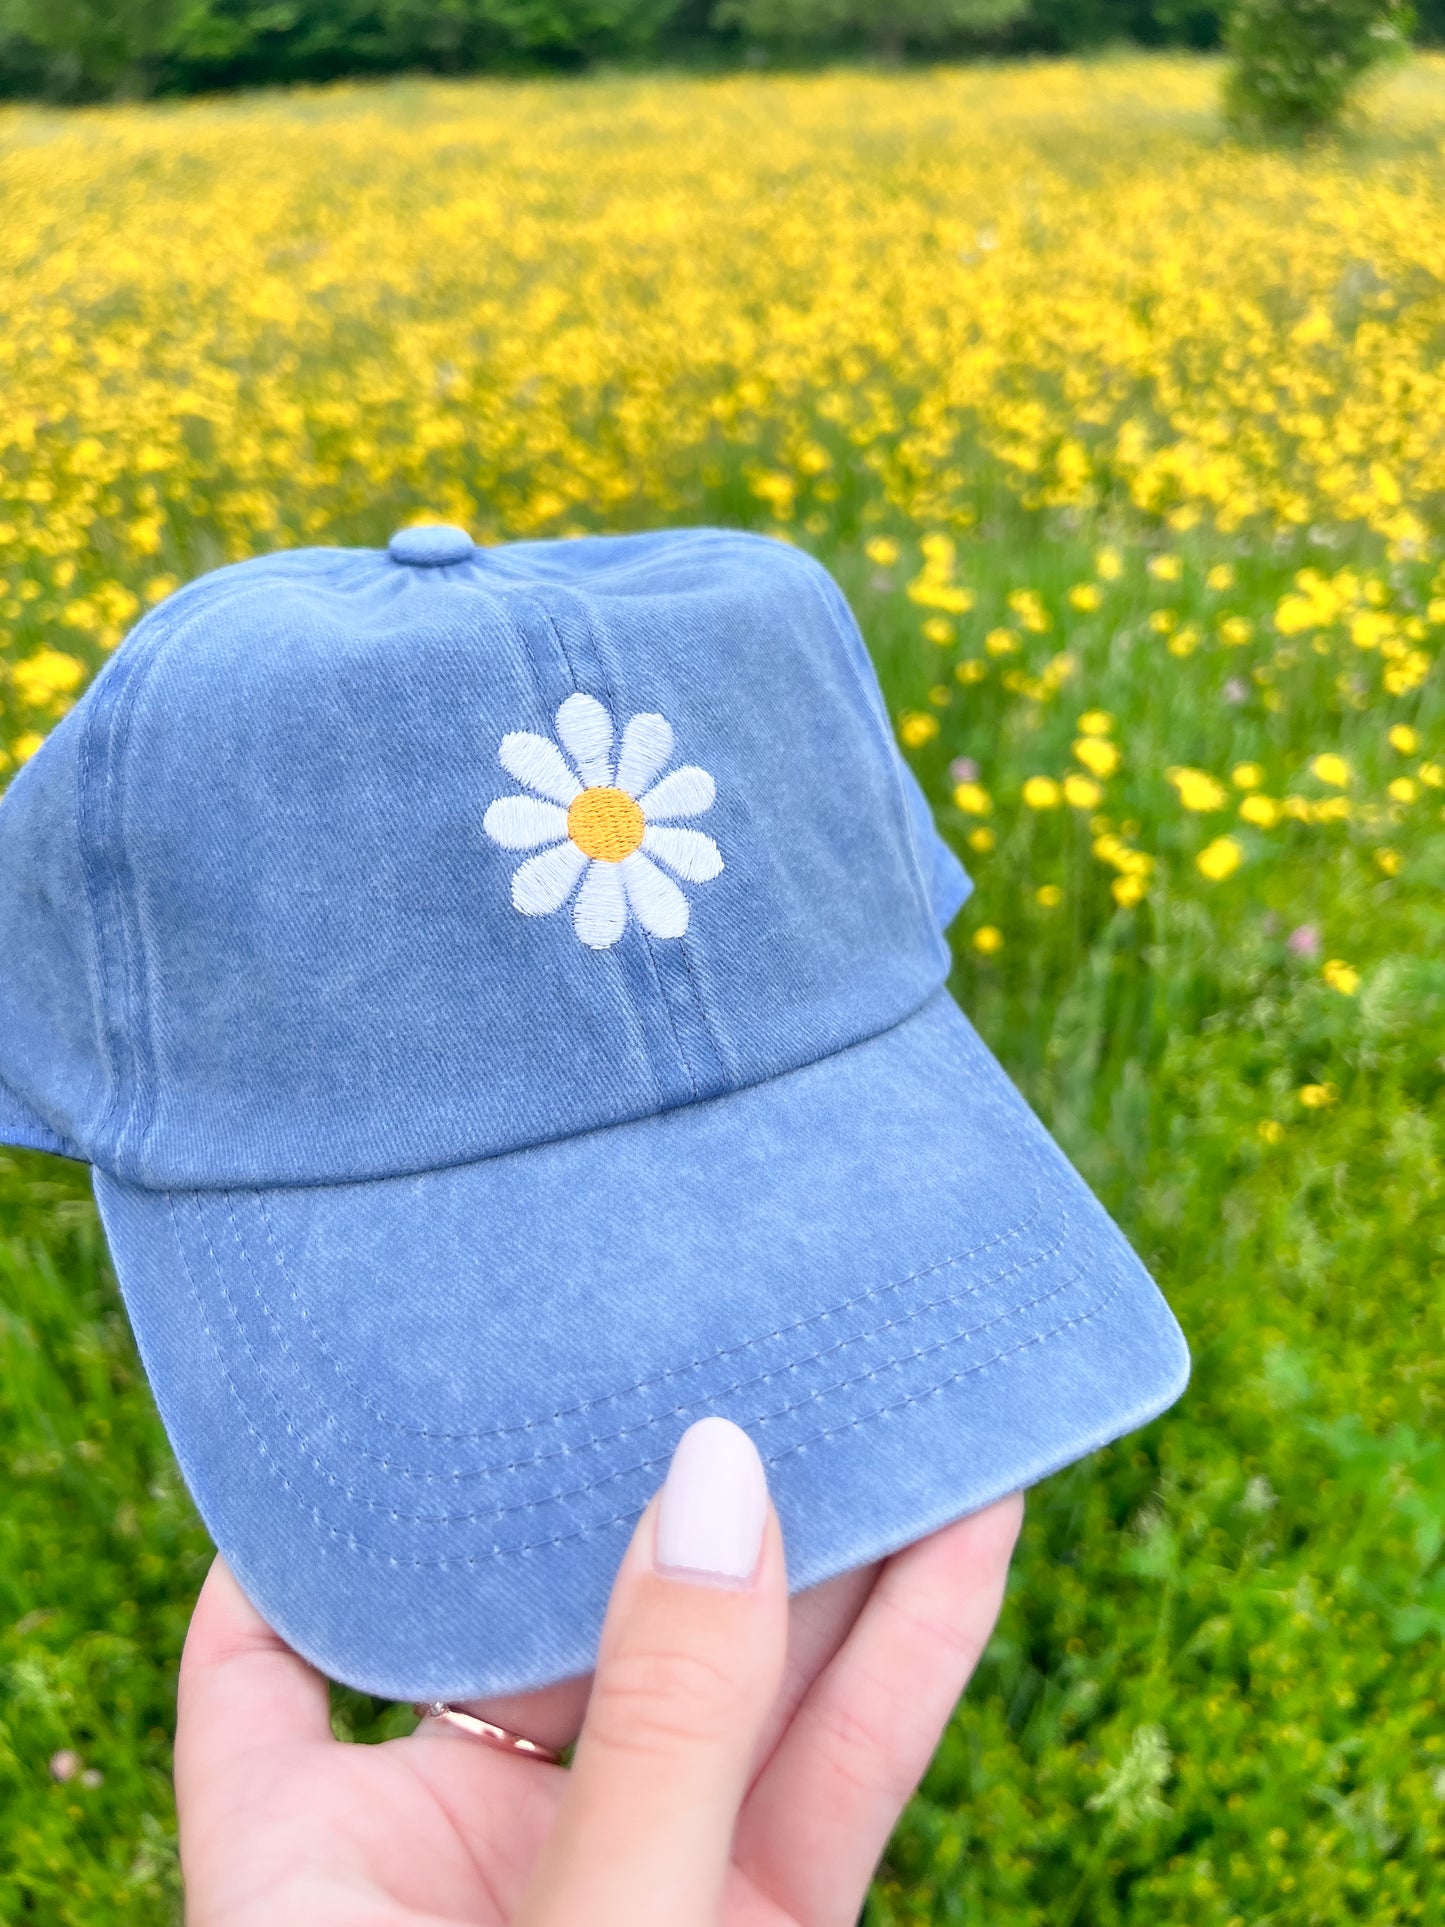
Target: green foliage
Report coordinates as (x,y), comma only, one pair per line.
(83,49)
(95,49)
(1295,65)
(886,25)
(101,46)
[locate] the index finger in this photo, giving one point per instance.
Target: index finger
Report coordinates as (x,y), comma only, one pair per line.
(819,1815)
(241,1687)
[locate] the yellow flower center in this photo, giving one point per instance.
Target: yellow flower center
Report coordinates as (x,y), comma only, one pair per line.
(605,824)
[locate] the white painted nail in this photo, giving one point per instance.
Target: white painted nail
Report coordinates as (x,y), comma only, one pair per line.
(714,1507)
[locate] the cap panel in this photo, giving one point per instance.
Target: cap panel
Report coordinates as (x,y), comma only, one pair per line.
(819,930)
(53,1053)
(338,987)
(315,956)
(20,1127)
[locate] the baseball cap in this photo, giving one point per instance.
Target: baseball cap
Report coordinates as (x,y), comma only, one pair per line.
(501,993)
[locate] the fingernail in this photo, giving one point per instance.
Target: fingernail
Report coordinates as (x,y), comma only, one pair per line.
(714,1507)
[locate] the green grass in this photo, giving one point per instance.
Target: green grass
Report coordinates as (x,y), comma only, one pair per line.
(1216,1692)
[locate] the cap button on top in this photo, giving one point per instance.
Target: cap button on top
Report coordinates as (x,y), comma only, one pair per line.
(431,547)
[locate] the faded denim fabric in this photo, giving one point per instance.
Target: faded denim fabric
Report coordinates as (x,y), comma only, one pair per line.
(437,1226)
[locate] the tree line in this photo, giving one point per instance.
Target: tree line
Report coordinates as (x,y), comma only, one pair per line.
(76,50)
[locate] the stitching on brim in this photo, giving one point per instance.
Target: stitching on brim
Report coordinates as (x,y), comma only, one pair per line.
(422,1476)
(483,1433)
(645,1465)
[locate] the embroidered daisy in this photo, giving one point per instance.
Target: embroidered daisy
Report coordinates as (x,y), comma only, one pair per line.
(610,825)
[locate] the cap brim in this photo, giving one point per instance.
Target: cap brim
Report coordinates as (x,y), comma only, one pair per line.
(421,1416)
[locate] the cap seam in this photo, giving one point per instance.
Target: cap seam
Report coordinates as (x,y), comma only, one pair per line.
(105,869)
(131,1138)
(684,946)
(664,1109)
(614,713)
(529,598)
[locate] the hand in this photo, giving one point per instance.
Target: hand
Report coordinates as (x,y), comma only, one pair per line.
(737,1764)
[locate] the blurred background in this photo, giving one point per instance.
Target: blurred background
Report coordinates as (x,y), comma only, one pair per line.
(97,49)
(1097,348)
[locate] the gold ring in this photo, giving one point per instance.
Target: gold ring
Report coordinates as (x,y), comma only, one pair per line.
(488,1731)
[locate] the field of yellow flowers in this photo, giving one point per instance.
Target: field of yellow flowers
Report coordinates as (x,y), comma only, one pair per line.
(1129,446)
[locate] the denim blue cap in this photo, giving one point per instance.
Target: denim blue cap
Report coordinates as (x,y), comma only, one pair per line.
(501,993)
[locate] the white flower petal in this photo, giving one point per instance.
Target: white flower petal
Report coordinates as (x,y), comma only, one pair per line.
(659,905)
(599,916)
(695,857)
(687,792)
(522,822)
(540,765)
(646,746)
(585,731)
(543,883)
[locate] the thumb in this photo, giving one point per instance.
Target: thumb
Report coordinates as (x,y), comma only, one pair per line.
(691,1660)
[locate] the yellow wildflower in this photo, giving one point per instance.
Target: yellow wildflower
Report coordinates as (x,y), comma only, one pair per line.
(1404,739)
(1262,811)
(1370,628)
(1042,793)
(1404,789)
(1099,756)
(1332,769)
(1165,568)
(1108,565)
(1247,776)
(982,840)
(973,799)
(1235,631)
(1219,859)
(1086,596)
(1433,775)
(883,550)
(1129,889)
(1390,861)
(1162,621)
(47,676)
(25,745)
(916,729)
(1049,895)
(940,630)
(940,595)
(1316,1097)
(1197,789)
(1029,609)
(1341,976)
(1082,792)
(1270,1129)
(1407,674)
(987,940)
(1221,577)
(1095,722)
(971,670)
(1001,642)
